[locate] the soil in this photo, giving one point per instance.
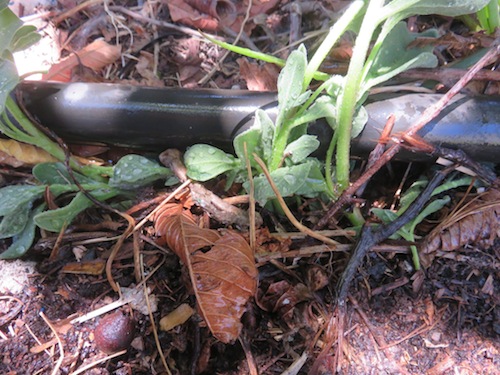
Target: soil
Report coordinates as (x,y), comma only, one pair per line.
(444,319)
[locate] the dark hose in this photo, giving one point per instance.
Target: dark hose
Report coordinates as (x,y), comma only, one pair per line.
(153,119)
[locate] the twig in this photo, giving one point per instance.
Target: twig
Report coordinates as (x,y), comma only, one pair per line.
(370,237)
(287,211)
(251,208)
(56,368)
(217,66)
(428,115)
(155,331)
(211,203)
(83,369)
(163,203)
(69,13)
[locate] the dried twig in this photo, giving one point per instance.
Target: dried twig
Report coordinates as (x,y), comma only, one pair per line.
(428,115)
(287,211)
(211,203)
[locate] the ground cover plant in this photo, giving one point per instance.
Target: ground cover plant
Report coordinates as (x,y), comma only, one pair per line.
(262,302)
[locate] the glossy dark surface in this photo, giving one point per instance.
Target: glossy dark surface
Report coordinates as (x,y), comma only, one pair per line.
(153,119)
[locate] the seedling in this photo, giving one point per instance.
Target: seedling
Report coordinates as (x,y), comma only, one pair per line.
(283,143)
(21,206)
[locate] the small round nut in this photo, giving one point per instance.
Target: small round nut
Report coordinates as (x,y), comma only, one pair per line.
(114,332)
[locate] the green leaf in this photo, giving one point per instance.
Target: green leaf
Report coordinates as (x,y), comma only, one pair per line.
(134,171)
(25,37)
(55,220)
(302,148)
(315,181)
(258,139)
(23,241)
(394,56)
(334,84)
(15,222)
(288,180)
(385,215)
(432,207)
(252,138)
(451,8)
(359,121)
(267,128)
(8,81)
(15,196)
(290,81)
(10,24)
(57,174)
(204,162)
(323,107)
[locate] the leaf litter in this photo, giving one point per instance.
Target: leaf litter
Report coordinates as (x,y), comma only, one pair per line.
(293,295)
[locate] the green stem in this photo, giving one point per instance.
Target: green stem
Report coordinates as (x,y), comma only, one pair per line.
(328,165)
(347,100)
(29,133)
(332,37)
(415,257)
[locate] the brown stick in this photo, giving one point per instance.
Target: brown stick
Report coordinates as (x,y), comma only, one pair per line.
(428,115)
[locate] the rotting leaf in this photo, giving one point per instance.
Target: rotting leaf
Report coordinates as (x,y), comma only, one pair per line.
(221,268)
(477,222)
(96,55)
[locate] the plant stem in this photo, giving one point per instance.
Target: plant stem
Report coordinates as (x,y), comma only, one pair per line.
(332,37)
(29,133)
(347,100)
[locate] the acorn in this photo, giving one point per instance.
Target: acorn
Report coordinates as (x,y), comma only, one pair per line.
(114,332)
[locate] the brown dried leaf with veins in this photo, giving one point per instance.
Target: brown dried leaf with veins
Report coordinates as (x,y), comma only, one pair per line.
(95,56)
(478,222)
(221,268)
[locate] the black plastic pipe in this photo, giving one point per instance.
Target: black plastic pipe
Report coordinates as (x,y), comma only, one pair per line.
(153,119)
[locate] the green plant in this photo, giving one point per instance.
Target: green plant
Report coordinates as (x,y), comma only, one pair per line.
(487,18)
(408,231)
(21,206)
(284,144)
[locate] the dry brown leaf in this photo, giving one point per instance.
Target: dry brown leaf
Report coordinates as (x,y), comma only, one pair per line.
(259,77)
(477,222)
(95,56)
(17,154)
(182,12)
(209,15)
(221,268)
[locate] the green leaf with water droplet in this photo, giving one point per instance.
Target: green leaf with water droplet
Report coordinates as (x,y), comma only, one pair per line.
(23,241)
(15,222)
(405,8)
(204,162)
(288,180)
(290,82)
(15,196)
(133,171)
(314,183)
(253,140)
(57,174)
(55,220)
(301,148)
(323,107)
(396,56)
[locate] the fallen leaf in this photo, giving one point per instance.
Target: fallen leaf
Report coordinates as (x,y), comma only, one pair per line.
(182,12)
(221,267)
(259,77)
(477,222)
(95,56)
(17,154)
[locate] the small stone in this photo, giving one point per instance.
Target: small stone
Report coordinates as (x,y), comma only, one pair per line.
(114,332)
